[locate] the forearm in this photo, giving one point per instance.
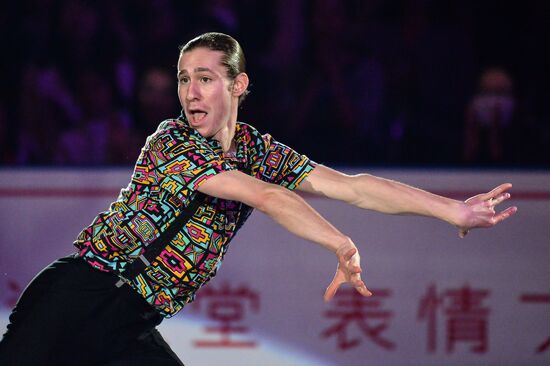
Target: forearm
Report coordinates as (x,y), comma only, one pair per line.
(297,216)
(382,195)
(282,205)
(387,196)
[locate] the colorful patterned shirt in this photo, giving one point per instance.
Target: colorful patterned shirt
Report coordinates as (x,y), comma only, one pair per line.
(174,162)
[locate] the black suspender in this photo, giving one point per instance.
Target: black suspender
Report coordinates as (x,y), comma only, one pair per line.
(154,249)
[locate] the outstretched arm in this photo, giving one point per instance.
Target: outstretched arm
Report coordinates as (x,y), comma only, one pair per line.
(387,196)
(294,214)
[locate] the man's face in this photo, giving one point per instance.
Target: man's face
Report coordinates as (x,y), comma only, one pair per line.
(204,91)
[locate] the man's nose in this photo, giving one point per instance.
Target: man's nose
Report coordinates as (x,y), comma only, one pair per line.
(193,91)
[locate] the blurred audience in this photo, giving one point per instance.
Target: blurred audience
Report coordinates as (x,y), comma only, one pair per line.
(7,154)
(366,82)
(46,107)
(489,119)
(156,99)
(103,134)
(325,109)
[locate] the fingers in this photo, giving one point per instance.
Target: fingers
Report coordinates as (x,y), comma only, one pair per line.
(349,270)
(497,191)
(345,255)
(362,289)
(357,282)
(354,269)
(359,286)
(349,254)
(334,285)
(350,261)
(330,291)
(490,220)
(499,199)
(504,214)
(337,280)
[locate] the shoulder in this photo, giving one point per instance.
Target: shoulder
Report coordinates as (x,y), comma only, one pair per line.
(251,142)
(245,129)
(251,136)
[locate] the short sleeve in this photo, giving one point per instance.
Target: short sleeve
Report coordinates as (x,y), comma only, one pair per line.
(282,165)
(182,161)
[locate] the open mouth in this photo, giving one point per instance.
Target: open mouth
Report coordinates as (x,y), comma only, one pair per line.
(197,115)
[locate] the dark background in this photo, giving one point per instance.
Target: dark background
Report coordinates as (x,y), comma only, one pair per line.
(390,83)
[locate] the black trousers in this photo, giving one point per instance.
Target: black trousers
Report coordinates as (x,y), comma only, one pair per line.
(73,314)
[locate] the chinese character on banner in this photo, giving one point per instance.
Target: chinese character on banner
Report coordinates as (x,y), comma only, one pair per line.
(538,299)
(365,313)
(466,319)
(227,307)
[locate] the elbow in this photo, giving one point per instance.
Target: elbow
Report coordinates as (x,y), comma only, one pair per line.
(356,193)
(273,199)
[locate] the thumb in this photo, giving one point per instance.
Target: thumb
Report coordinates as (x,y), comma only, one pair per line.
(332,288)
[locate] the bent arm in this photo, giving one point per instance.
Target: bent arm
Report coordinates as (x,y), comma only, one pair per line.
(388,196)
(297,216)
(282,205)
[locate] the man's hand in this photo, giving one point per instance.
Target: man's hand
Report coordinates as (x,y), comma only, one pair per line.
(479,211)
(348,271)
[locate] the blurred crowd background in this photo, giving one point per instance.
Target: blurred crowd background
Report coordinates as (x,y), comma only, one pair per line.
(356,82)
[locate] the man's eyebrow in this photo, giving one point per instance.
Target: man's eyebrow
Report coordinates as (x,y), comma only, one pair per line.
(202,69)
(197,69)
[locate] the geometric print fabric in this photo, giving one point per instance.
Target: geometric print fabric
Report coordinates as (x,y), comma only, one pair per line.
(174,162)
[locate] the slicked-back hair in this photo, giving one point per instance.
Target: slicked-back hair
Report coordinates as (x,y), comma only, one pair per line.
(233,56)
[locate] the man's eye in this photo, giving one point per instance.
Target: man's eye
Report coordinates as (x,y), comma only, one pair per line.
(183,80)
(205,79)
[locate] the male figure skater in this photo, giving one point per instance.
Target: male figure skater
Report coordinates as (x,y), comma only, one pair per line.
(195,182)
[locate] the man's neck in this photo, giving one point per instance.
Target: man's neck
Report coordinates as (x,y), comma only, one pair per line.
(225,135)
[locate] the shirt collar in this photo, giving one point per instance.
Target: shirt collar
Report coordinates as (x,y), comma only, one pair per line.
(241,137)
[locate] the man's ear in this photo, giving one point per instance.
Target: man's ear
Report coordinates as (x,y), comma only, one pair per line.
(240,83)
